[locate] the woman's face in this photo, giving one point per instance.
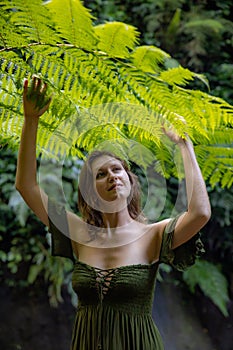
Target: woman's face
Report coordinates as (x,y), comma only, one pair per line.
(110,179)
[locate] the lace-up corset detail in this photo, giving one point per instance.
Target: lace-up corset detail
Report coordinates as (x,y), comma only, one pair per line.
(103,280)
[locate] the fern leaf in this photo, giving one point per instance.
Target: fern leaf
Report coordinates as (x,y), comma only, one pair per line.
(32,20)
(211,281)
(148,58)
(181,76)
(178,75)
(125,90)
(9,37)
(227,178)
(207,24)
(116,38)
(74,23)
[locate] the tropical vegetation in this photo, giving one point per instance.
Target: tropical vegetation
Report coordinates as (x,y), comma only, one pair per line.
(107,90)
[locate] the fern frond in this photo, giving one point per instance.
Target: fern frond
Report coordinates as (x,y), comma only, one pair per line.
(116,38)
(148,58)
(32,20)
(211,281)
(140,154)
(74,23)
(227,178)
(177,75)
(206,24)
(119,91)
(216,162)
(180,76)
(221,136)
(9,37)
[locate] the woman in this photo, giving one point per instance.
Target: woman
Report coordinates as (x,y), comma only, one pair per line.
(116,254)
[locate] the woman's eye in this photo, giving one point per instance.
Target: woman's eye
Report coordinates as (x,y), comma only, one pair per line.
(117,169)
(100,174)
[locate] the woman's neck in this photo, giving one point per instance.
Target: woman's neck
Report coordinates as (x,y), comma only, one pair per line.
(120,218)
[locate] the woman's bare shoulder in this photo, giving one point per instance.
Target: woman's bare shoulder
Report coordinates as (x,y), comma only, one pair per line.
(77,227)
(157,228)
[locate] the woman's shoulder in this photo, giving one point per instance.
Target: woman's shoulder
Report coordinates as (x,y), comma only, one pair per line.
(157,228)
(77,226)
(154,232)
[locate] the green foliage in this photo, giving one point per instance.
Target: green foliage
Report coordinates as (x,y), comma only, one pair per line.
(211,281)
(24,242)
(116,39)
(87,66)
(108,90)
(73,23)
(218,232)
(149,58)
(177,27)
(56,273)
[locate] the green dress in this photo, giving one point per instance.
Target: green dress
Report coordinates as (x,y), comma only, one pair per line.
(115,305)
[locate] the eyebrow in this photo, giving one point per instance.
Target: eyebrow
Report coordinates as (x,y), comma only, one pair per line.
(111,165)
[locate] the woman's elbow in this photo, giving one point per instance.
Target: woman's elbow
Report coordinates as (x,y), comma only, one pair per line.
(18,187)
(204,215)
(21,189)
(207,211)
(200,215)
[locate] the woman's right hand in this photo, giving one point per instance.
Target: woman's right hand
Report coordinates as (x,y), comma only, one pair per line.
(35,100)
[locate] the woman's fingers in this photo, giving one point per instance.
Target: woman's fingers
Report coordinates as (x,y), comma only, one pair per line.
(46,106)
(25,87)
(37,90)
(35,100)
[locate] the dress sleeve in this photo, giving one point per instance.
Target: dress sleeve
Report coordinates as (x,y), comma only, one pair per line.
(183,256)
(58,227)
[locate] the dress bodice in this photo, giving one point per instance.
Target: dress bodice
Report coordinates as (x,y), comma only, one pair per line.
(128,288)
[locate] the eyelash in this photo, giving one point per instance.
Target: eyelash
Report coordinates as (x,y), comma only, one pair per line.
(99,175)
(102,173)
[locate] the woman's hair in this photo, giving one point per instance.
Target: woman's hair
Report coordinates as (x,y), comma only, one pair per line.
(87,196)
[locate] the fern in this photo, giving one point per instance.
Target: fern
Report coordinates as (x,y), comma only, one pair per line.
(73,22)
(148,58)
(105,87)
(31,20)
(211,281)
(181,76)
(209,25)
(8,35)
(116,38)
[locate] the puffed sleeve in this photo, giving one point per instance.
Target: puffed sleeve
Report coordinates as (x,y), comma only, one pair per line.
(58,227)
(183,256)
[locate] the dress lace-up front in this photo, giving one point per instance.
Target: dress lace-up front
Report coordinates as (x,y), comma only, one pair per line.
(103,280)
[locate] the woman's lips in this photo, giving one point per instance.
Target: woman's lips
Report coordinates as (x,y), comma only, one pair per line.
(113,187)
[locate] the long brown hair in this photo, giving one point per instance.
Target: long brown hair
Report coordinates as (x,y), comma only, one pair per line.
(86,189)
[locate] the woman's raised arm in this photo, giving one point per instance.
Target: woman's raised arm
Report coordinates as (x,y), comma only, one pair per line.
(198,209)
(35,103)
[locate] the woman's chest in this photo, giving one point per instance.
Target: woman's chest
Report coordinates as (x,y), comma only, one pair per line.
(106,258)
(142,251)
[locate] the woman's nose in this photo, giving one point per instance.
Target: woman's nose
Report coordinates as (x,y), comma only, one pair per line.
(111,175)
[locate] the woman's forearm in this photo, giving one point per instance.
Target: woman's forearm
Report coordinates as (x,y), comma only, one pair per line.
(26,165)
(35,103)
(197,197)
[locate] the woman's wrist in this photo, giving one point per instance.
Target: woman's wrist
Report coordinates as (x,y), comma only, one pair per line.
(185,146)
(184,142)
(28,120)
